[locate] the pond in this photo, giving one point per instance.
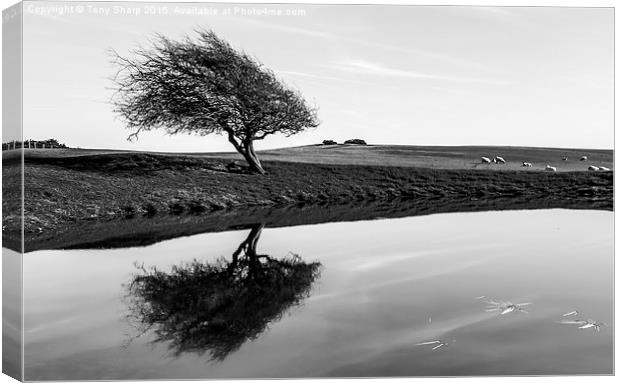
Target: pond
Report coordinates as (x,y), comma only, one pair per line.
(344,299)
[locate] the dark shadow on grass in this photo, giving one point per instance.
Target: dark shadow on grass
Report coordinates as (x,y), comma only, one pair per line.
(136,163)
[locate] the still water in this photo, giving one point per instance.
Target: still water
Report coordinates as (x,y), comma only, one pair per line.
(336,299)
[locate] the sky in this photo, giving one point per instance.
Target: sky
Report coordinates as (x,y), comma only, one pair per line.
(405,75)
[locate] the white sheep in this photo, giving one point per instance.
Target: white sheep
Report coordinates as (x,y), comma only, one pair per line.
(551,168)
(593,168)
(499,160)
(603,169)
(527,164)
(485,160)
(584,158)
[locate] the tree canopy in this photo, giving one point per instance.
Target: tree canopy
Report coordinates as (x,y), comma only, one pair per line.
(202,86)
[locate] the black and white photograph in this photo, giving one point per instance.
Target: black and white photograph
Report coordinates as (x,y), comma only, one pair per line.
(211,190)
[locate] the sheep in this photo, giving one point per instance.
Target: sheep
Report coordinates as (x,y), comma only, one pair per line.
(485,160)
(527,164)
(593,168)
(551,168)
(584,158)
(499,160)
(603,169)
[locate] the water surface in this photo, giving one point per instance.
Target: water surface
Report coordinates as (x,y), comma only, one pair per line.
(337,299)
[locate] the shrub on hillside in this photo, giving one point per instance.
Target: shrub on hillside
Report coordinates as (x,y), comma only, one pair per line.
(356,141)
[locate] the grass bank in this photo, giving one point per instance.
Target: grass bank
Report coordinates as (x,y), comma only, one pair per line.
(65,191)
(147,230)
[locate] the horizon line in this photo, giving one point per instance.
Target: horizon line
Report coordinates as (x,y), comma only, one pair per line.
(320,144)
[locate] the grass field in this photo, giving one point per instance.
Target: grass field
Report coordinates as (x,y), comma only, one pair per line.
(65,189)
(443,157)
(438,157)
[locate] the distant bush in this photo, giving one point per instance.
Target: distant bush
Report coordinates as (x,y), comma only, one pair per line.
(329,142)
(50,143)
(356,141)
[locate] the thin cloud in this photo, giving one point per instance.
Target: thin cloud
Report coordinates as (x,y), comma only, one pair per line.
(459,92)
(368,68)
(319,77)
(497,15)
(304,31)
(287,28)
(374,69)
(308,75)
(343,39)
(419,52)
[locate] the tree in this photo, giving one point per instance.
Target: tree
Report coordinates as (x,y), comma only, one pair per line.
(204,86)
(216,307)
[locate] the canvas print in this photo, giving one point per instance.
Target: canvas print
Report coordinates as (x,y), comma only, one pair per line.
(228,190)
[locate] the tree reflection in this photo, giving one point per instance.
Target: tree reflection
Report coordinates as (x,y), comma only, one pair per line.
(216,307)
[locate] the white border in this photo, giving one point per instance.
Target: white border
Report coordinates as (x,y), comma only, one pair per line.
(564,3)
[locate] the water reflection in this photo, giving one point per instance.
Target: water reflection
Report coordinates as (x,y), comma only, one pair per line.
(380,295)
(216,307)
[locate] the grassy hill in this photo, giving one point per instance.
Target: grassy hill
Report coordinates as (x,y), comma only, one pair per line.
(442,157)
(437,157)
(65,189)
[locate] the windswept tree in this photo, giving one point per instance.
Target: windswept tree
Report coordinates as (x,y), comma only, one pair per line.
(202,86)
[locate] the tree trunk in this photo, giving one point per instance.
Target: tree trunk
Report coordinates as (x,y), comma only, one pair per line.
(252,158)
(246,149)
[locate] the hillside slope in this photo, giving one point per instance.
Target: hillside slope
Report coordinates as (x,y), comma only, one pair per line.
(437,157)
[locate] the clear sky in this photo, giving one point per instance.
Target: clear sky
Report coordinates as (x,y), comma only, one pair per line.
(415,75)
